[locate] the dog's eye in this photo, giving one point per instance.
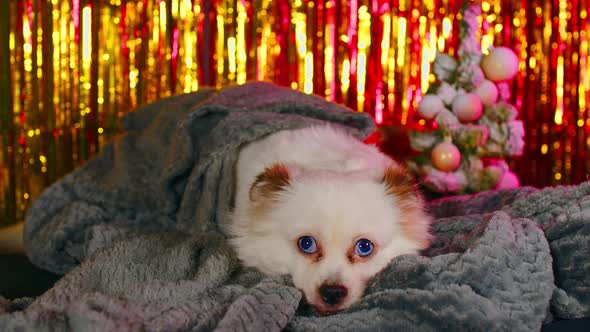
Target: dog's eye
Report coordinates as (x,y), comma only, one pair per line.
(307,244)
(364,247)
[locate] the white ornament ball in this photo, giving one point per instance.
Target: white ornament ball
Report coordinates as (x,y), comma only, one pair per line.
(467,107)
(508,180)
(501,64)
(446,156)
(430,106)
(487,92)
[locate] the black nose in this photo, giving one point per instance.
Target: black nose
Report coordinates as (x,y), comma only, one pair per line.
(333,294)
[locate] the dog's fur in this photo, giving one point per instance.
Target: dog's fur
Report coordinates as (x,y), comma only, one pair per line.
(323,183)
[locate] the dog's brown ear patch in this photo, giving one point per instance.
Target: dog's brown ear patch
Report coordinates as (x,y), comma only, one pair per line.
(274,179)
(415,222)
(399,183)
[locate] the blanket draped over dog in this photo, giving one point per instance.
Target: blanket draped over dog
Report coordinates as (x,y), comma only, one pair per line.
(135,231)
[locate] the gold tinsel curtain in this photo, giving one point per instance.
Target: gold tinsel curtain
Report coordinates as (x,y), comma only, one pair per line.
(69,69)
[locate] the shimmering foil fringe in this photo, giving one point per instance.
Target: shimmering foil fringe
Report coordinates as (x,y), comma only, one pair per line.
(70,69)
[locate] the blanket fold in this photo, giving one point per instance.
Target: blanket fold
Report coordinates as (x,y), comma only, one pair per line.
(135,232)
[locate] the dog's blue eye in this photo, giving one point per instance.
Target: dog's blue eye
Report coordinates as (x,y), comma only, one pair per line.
(307,244)
(364,247)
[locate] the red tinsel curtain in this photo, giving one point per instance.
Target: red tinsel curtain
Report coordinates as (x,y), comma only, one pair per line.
(69,69)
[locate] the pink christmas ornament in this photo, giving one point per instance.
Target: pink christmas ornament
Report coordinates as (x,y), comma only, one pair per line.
(467,107)
(501,64)
(430,106)
(507,181)
(487,92)
(446,156)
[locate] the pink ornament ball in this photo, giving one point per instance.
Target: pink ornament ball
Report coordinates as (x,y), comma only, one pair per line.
(487,92)
(508,180)
(467,107)
(446,156)
(430,106)
(500,65)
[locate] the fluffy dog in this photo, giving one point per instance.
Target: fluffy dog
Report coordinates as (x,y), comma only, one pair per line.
(324,207)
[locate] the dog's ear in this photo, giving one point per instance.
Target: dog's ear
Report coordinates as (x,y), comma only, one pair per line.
(415,222)
(274,179)
(399,183)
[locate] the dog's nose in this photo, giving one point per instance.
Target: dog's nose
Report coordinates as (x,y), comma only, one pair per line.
(333,294)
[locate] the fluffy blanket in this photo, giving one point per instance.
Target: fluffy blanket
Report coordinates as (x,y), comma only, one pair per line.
(135,233)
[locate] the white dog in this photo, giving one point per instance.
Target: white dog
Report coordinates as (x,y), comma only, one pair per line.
(324,207)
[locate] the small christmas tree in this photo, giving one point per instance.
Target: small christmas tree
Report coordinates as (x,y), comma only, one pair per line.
(476,126)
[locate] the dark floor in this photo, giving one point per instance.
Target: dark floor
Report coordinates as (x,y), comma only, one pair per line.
(573,325)
(20,278)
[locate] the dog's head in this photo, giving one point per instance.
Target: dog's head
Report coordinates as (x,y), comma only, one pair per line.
(331,231)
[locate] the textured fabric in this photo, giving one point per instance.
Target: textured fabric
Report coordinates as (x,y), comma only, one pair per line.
(135,233)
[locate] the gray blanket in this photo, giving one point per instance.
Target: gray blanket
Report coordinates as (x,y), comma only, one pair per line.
(135,233)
